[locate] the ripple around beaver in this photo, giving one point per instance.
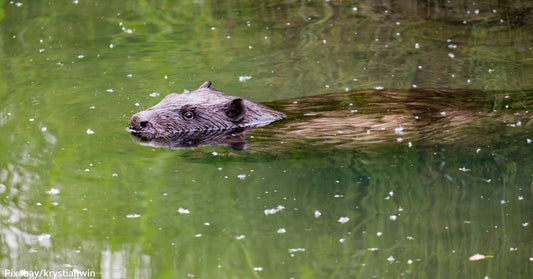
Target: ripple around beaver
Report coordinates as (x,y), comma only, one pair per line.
(373,118)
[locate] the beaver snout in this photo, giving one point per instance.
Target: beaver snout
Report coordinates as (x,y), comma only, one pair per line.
(141,126)
(138,123)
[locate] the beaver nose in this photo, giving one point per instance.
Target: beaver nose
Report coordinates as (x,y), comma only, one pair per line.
(138,123)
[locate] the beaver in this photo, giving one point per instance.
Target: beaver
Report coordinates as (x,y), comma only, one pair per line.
(202,117)
(346,120)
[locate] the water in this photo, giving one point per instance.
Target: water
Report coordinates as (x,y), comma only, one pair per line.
(77,194)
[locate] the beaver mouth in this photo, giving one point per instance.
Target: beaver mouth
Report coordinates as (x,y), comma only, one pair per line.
(141,134)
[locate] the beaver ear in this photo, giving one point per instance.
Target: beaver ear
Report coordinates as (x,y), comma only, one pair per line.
(235,110)
(206,84)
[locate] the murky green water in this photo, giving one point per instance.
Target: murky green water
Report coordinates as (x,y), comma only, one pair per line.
(77,194)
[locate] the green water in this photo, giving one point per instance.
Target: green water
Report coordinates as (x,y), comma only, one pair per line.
(77,194)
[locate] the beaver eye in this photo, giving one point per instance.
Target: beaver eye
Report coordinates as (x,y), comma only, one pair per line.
(188,115)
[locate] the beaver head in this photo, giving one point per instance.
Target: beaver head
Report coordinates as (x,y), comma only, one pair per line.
(201,111)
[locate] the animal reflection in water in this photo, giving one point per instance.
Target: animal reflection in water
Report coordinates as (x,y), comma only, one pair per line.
(359,119)
(233,139)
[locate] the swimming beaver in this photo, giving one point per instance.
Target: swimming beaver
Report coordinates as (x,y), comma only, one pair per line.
(200,117)
(360,119)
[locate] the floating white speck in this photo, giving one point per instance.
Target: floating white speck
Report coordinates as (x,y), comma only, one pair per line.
(154,94)
(258,268)
(525,224)
(417,45)
(111,45)
(342,240)
(503,202)
(281,230)
(528,141)
(390,259)
(239,237)
(378,88)
(133,216)
(53,191)
(399,139)
(393,217)
(354,9)
(409,237)
(372,249)
(110,90)
(18,4)
(343,220)
(294,250)
(274,210)
(317,213)
(398,130)
(89,132)
(129,75)
(241,176)
(198,235)
(214,153)
(81,56)
(182,210)
(44,129)
(75,2)
(463,169)
(379,233)
(244,78)
(451,55)
(213,28)
(477,257)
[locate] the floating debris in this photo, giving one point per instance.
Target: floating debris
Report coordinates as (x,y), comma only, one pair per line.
(343,220)
(244,78)
(182,210)
(478,257)
(53,191)
(133,216)
(317,213)
(294,250)
(274,210)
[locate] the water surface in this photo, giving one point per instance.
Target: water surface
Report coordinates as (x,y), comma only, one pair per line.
(77,193)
